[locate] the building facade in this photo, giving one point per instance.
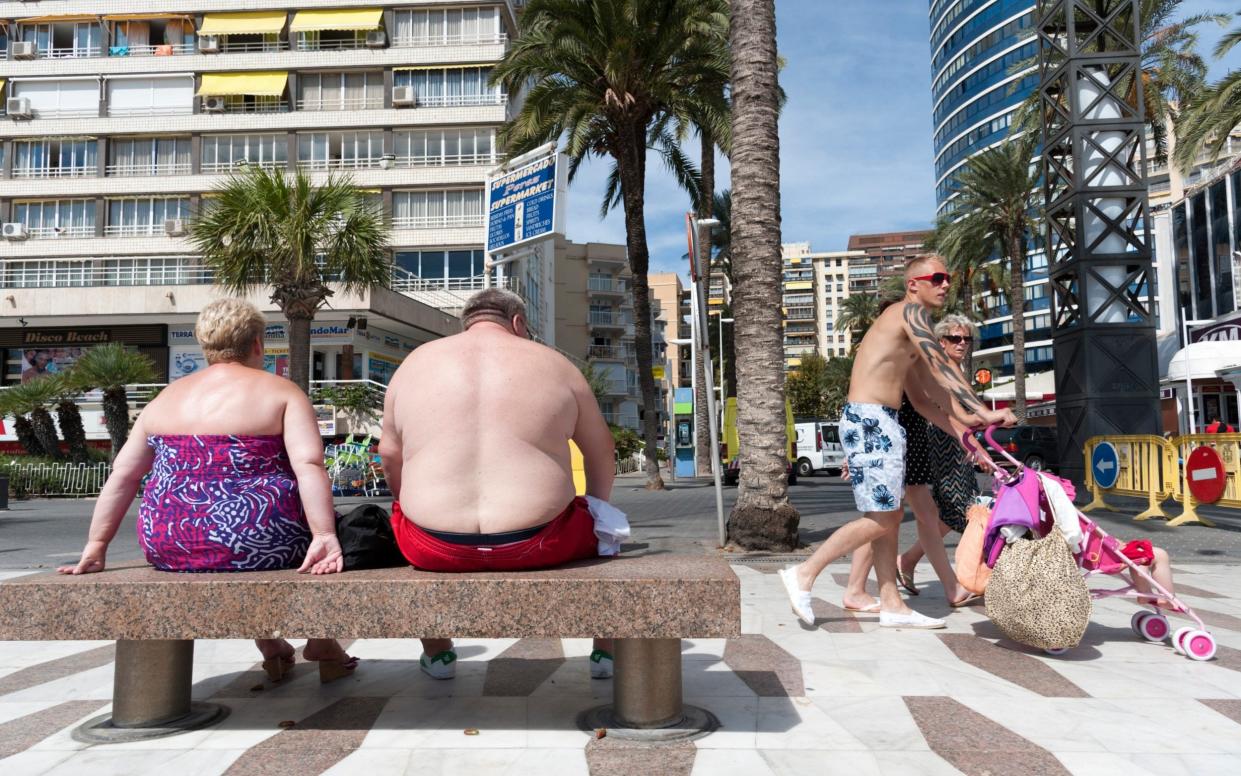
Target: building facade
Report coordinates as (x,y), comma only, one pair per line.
(832,272)
(120,119)
(673,300)
(798,303)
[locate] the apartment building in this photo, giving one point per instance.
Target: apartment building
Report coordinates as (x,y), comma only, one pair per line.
(673,298)
(832,273)
(798,303)
(121,117)
(594,321)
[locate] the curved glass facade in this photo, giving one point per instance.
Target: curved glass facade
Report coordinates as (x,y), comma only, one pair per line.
(974,45)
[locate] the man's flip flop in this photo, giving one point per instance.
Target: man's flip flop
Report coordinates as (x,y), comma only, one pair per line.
(872,609)
(907,581)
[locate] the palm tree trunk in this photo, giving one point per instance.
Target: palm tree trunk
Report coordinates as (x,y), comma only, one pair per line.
(45,431)
(72,430)
(632,163)
(299,349)
(26,436)
(706,199)
(763,518)
(116,417)
(1017,306)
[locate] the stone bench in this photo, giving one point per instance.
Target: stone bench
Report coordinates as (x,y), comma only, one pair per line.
(647,603)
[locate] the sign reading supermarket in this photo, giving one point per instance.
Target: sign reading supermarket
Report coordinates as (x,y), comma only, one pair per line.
(521,204)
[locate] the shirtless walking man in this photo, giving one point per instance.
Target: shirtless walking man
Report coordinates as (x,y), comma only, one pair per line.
(874,441)
(475,446)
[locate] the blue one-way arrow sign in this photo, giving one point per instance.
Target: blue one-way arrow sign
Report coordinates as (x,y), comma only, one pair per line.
(1105,465)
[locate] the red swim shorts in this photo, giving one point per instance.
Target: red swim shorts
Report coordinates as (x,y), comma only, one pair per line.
(568,537)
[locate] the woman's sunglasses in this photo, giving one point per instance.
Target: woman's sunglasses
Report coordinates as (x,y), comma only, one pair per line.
(937,279)
(957,339)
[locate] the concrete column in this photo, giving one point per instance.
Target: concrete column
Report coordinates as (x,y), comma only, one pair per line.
(291,152)
(388,81)
(647,682)
(6,210)
(292,90)
(101,157)
(101,215)
(6,172)
(196,154)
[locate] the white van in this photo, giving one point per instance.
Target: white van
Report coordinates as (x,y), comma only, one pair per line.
(818,447)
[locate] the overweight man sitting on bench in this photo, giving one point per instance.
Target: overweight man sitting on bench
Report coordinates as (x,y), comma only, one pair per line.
(475,447)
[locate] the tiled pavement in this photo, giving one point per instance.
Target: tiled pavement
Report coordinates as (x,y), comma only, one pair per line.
(843,697)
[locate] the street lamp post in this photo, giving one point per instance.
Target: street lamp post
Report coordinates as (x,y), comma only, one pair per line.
(694,225)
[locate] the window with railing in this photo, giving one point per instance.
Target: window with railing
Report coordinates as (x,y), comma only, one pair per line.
(438,147)
(152,96)
(340,150)
(221,153)
(144,216)
(166,37)
(63,40)
(437,209)
(56,218)
(329,40)
(57,98)
(340,91)
(440,87)
(252,43)
(451,267)
(255,103)
(70,273)
(60,157)
(447,26)
(146,156)
(601,282)
(603,315)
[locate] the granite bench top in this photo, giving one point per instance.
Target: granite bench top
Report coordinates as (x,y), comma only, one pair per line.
(656,596)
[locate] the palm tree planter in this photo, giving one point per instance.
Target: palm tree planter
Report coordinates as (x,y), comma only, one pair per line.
(269,227)
(617,78)
(110,368)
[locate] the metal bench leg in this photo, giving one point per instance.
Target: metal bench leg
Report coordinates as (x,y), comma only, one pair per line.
(151,694)
(647,686)
(646,693)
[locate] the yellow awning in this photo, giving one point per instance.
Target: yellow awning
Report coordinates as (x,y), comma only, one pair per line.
(446,67)
(3,81)
(259,83)
(248,23)
(337,19)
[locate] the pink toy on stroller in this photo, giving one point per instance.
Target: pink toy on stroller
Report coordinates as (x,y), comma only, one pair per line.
(1100,554)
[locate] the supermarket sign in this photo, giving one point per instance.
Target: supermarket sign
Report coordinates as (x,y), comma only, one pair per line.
(522,204)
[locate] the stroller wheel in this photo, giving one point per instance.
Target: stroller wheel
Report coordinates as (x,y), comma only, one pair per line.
(1154,627)
(1056,651)
(1199,645)
(1135,622)
(1179,636)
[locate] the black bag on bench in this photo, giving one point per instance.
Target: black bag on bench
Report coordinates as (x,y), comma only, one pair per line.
(366,539)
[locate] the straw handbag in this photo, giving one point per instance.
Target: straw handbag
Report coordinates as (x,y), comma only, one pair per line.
(972,572)
(1037,595)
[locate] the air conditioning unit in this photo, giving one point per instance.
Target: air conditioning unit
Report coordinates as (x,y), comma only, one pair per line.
(403,96)
(213,105)
(376,39)
(209,44)
(174,227)
(15,231)
(23,49)
(18,108)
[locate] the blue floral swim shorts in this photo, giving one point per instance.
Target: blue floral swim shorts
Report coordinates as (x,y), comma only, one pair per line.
(874,444)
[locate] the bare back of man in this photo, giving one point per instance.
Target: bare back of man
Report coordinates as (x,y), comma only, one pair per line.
(484,418)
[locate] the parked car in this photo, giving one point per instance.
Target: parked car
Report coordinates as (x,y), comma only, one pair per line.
(1034,446)
(818,447)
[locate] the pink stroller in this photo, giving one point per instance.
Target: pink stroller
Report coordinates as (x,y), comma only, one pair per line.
(1102,554)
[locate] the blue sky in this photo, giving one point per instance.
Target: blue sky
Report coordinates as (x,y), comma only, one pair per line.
(855,137)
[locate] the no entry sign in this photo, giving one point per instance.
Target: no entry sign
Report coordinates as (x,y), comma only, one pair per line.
(1204,473)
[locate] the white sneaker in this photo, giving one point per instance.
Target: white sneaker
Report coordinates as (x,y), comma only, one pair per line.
(799,599)
(440,666)
(600,664)
(911,620)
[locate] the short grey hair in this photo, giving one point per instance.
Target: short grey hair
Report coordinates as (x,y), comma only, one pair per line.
(952,322)
(498,305)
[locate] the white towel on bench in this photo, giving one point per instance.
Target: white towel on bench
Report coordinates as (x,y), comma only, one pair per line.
(611,525)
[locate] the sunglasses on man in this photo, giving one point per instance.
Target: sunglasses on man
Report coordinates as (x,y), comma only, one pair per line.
(957,339)
(937,279)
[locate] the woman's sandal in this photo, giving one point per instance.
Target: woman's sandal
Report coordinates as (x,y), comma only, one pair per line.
(277,667)
(331,670)
(907,581)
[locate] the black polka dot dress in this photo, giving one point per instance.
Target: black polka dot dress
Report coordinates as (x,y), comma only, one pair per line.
(918,469)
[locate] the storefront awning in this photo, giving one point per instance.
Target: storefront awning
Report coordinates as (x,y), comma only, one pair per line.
(1041,385)
(249,23)
(337,19)
(54,19)
(1201,360)
(262,83)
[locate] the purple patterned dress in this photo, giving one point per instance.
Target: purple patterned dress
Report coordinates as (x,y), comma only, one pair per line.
(221,503)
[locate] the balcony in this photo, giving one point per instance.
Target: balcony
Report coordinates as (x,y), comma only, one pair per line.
(147,170)
(79,273)
(607,320)
(64,113)
(610,353)
(598,285)
(358,103)
(152,50)
(217,168)
(135,230)
(252,46)
(418,41)
(354,163)
(31,173)
(460,100)
(151,110)
(61,232)
(447,160)
(438,222)
(266,106)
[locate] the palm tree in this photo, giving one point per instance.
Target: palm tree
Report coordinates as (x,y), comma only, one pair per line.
(1172,70)
(616,78)
(10,404)
(857,313)
(267,227)
(32,399)
(763,518)
(994,213)
(1212,114)
(110,368)
(68,416)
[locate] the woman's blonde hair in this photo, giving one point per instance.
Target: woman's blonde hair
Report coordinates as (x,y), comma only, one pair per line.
(226,329)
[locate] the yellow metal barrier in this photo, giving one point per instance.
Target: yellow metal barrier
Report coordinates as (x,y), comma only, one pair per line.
(1229,448)
(1148,469)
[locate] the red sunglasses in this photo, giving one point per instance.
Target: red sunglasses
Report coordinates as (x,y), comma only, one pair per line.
(937,279)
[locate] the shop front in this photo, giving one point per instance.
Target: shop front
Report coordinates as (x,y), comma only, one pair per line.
(31,353)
